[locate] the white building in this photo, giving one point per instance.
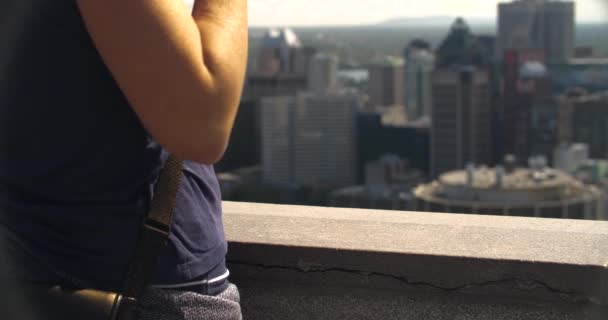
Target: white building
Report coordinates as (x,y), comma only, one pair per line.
(325,139)
(277,139)
(310,139)
(570,157)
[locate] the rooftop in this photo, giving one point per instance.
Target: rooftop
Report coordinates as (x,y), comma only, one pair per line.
(388,61)
(460,47)
(521,178)
(582,97)
(532,192)
(279,38)
(589,61)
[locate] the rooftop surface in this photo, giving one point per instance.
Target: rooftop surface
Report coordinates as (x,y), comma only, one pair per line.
(524,188)
(523,179)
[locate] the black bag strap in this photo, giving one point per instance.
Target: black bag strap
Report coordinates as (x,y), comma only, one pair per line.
(155,230)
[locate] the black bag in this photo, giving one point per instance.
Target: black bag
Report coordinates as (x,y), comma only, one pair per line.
(50,303)
(55,303)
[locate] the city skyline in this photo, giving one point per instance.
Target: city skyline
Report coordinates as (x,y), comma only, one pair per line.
(447,108)
(326,13)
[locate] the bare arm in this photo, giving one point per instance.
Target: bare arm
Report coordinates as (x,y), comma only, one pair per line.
(182,74)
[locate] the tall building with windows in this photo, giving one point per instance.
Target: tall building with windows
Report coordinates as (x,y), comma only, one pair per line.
(461,120)
(275,54)
(584,119)
(418,72)
(386,82)
(277,126)
(325,139)
(560,28)
(537,24)
(301,59)
(258,87)
(461,117)
(527,98)
(310,139)
(282,53)
(461,48)
(280,66)
(323,74)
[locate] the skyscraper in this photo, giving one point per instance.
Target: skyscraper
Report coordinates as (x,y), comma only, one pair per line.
(559,30)
(584,119)
(527,90)
(537,24)
(323,74)
(301,60)
(325,139)
(461,126)
(282,53)
(274,56)
(277,117)
(257,87)
(310,139)
(461,48)
(386,83)
(418,71)
(281,66)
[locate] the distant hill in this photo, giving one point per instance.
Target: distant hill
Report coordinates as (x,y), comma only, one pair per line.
(434,21)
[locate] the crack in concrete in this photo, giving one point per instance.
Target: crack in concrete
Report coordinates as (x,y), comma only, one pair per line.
(519,282)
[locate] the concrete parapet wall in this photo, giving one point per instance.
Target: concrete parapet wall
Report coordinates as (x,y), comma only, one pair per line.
(327,263)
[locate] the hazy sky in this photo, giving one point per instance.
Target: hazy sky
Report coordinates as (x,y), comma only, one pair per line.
(336,12)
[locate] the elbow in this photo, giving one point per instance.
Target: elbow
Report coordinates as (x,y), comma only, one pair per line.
(204,131)
(210,155)
(206,151)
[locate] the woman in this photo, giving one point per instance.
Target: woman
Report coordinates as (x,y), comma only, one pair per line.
(94,95)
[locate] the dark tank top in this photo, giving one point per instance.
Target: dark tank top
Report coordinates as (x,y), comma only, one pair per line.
(77,168)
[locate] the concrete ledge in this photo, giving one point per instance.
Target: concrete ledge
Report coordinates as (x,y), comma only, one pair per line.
(557,262)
